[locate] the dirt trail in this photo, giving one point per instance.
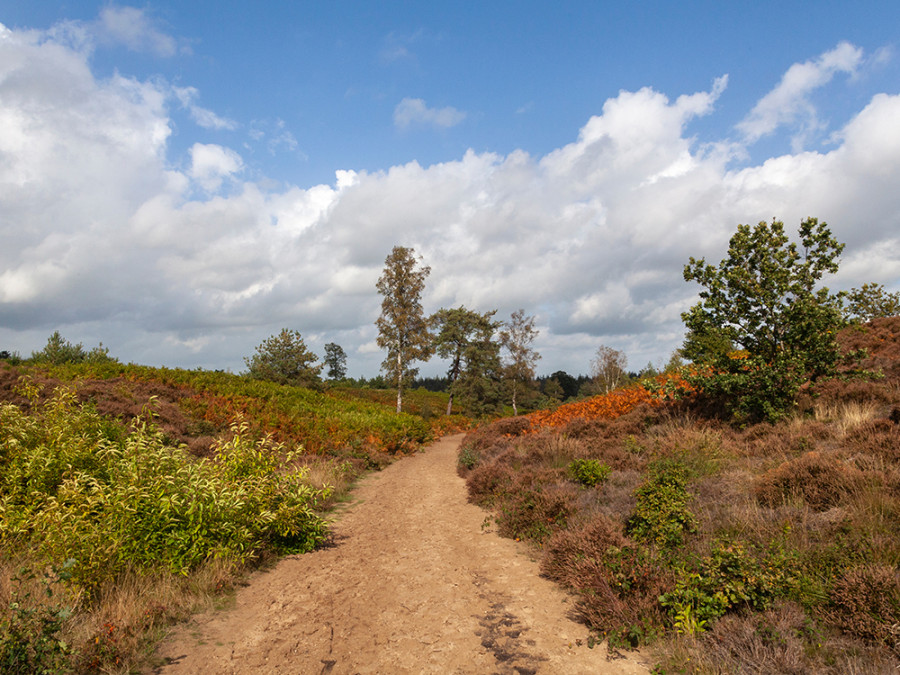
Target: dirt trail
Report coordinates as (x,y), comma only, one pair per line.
(413,584)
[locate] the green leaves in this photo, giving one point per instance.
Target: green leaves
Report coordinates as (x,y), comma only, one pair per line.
(589,472)
(284,359)
(140,504)
(402,326)
(763,300)
(467,339)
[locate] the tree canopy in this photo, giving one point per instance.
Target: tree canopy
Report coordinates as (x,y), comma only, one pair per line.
(335,361)
(466,338)
(518,366)
(870,301)
(402,326)
(58,350)
(764,300)
(284,359)
(608,369)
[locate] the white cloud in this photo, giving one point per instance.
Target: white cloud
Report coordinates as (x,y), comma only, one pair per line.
(210,164)
(414,112)
(107,237)
(789,102)
(134,29)
(202,116)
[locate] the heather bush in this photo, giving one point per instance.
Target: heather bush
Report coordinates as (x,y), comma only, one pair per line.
(821,481)
(618,582)
(865,601)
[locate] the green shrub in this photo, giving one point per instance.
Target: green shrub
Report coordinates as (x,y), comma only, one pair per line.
(468,457)
(661,515)
(70,489)
(731,576)
(29,629)
(589,472)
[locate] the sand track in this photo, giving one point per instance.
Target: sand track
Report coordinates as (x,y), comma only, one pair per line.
(413,583)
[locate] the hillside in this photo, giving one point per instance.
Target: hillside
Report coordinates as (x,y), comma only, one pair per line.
(130,496)
(767,548)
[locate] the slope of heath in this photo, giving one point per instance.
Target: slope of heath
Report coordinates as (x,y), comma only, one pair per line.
(415,581)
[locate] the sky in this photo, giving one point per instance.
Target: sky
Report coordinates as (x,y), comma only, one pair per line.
(179,181)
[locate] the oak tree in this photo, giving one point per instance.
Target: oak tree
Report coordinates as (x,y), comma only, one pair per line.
(871,301)
(764,299)
(402,326)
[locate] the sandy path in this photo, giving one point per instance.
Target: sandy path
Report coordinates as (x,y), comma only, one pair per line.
(413,584)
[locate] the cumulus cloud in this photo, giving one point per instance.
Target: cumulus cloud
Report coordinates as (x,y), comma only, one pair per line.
(106,237)
(414,112)
(789,102)
(210,164)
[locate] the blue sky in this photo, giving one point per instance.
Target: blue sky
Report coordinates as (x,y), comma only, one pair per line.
(184,179)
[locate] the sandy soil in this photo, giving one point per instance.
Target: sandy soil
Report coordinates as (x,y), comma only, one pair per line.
(415,582)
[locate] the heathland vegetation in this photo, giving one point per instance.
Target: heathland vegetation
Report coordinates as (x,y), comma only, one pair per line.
(738,512)
(742,513)
(130,494)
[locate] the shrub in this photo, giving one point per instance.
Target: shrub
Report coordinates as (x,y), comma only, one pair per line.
(70,490)
(865,601)
(822,482)
(618,582)
(29,629)
(731,576)
(468,458)
(661,515)
(589,472)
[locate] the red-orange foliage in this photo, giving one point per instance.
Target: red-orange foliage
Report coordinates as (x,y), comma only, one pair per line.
(609,406)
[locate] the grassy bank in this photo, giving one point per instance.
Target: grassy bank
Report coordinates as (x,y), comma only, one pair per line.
(766,548)
(130,496)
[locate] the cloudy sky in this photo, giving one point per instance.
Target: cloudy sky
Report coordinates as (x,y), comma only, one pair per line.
(182,180)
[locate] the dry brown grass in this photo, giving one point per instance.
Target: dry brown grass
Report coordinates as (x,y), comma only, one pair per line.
(113,633)
(780,641)
(845,416)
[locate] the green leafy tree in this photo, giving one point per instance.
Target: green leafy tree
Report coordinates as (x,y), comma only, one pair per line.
(763,298)
(402,326)
(284,359)
(869,302)
(553,391)
(608,369)
(467,339)
(704,342)
(335,361)
(518,366)
(59,350)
